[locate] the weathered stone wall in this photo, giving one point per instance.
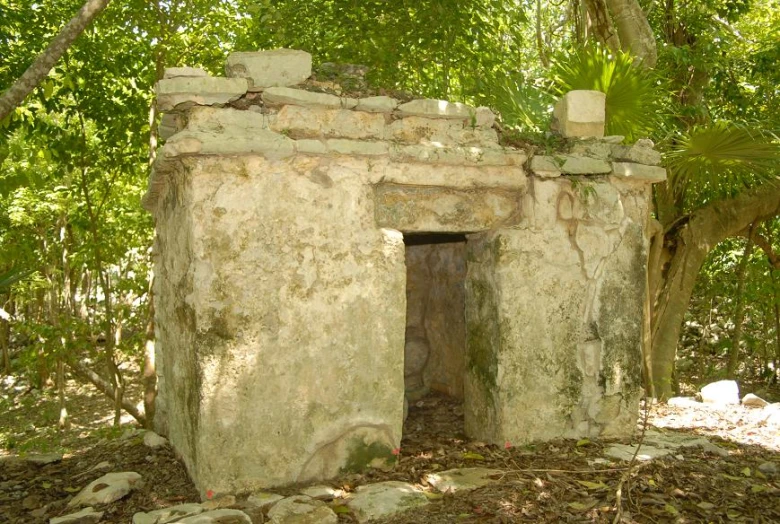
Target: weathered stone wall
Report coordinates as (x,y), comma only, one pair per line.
(282,279)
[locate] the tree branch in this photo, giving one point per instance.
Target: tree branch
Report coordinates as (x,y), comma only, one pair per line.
(40,68)
(83,371)
(765,245)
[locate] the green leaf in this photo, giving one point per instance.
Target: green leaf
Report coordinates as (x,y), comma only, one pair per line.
(671,509)
(340,509)
(470,455)
(583,442)
(582,506)
(592,485)
(746,471)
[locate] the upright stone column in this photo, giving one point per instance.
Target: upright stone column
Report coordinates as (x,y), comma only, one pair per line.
(554,315)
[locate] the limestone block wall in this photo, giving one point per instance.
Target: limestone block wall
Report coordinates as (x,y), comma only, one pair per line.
(282,273)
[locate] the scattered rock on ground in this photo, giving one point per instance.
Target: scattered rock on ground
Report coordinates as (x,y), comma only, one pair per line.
(768,468)
(657,444)
(218,516)
(223,501)
(385,498)
(86,516)
(721,392)
(463,479)
(106,489)
(301,509)
(753,401)
(165,515)
(41,459)
(322,492)
(153,440)
(683,402)
(263,499)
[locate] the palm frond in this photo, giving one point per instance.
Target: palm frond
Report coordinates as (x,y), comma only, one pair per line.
(721,159)
(633,94)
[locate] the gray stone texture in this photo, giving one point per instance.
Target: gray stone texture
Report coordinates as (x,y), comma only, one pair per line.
(278,67)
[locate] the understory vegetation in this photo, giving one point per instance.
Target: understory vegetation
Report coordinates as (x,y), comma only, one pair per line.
(698,78)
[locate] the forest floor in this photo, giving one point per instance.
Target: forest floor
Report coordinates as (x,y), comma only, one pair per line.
(562,481)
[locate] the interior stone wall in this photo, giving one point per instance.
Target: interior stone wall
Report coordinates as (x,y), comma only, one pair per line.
(281,288)
(435,321)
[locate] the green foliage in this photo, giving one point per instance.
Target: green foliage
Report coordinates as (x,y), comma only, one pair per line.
(633,96)
(720,160)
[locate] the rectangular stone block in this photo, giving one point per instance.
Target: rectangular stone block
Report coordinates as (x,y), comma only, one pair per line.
(303,122)
(442,210)
(581,113)
(278,67)
(437,109)
(198,90)
(638,172)
(299,97)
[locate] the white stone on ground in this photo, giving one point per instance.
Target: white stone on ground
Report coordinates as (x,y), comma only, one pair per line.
(385,498)
(322,492)
(218,516)
(153,440)
(41,459)
(462,479)
(86,516)
(165,515)
(106,489)
(683,402)
(754,401)
(263,499)
(301,509)
(722,392)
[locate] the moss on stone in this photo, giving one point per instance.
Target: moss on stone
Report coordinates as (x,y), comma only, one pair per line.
(362,455)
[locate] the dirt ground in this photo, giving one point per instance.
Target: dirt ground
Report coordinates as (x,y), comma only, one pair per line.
(562,481)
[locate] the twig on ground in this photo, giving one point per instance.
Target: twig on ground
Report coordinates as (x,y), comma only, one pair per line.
(625,479)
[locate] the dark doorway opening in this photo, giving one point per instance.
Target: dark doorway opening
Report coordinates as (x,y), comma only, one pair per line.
(434,353)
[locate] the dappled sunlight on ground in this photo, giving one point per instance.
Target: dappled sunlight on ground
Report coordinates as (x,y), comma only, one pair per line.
(737,424)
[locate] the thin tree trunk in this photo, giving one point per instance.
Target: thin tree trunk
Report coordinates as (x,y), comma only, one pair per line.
(39,69)
(739,307)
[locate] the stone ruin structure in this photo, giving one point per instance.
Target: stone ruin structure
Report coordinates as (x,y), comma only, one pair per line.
(319,258)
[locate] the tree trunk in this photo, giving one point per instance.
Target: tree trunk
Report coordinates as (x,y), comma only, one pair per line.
(636,35)
(689,247)
(39,69)
(739,307)
(602,24)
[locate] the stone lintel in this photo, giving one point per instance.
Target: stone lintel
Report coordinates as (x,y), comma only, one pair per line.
(460,177)
(201,90)
(432,209)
